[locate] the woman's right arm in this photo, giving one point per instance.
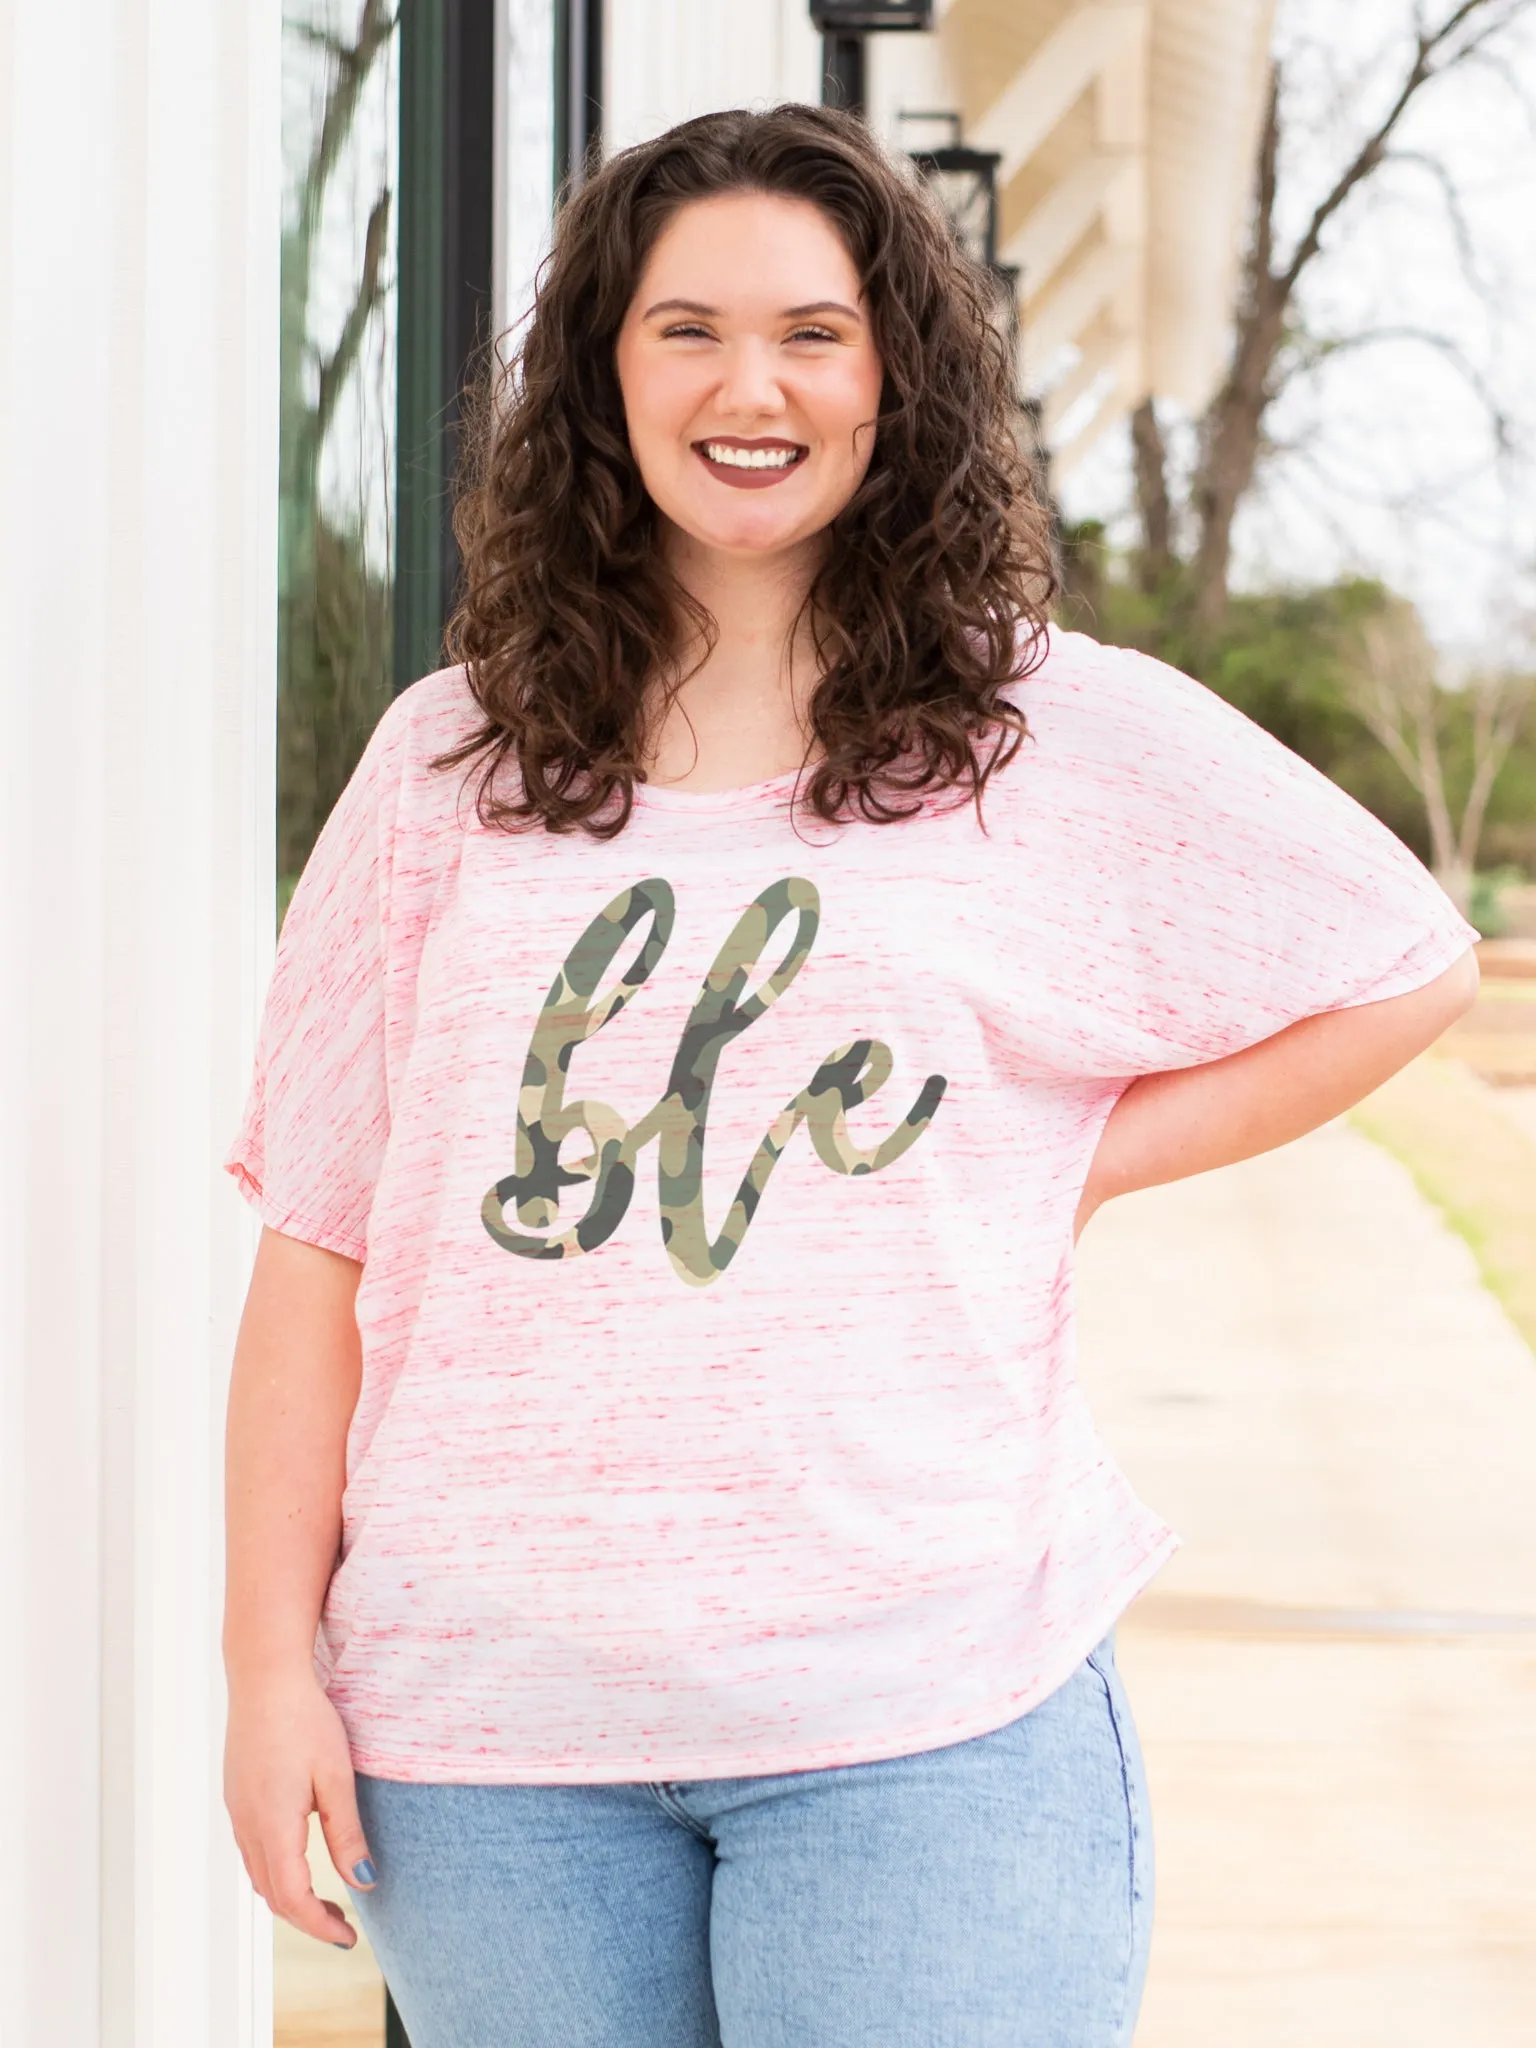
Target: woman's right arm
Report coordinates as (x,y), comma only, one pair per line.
(297,1370)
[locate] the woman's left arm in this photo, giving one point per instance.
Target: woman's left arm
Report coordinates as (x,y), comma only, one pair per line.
(1168,1126)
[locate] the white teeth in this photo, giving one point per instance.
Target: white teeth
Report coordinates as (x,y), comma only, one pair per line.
(751,458)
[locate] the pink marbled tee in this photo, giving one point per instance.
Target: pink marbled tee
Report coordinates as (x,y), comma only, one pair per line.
(678,1459)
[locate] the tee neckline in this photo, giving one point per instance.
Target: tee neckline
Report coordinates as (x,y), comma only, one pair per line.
(746,796)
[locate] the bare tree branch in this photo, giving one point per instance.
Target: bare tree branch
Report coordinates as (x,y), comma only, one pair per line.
(1499,706)
(1232,428)
(1500,424)
(326,40)
(1436,51)
(1498,67)
(353,63)
(1394,687)
(1462,238)
(1229,432)
(337,366)
(1153,503)
(347,68)
(1323,507)
(1427,500)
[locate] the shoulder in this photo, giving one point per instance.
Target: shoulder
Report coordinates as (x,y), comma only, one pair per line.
(1083,693)
(426,720)
(1158,768)
(1125,721)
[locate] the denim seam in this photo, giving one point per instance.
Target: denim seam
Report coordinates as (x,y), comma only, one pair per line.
(674,1809)
(1130,1826)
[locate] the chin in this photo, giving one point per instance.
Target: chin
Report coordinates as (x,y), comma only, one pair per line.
(761,535)
(758,542)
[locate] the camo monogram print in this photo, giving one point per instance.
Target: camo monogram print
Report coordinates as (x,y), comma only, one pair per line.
(723,1010)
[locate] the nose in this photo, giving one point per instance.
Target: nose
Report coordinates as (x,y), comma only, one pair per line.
(749,384)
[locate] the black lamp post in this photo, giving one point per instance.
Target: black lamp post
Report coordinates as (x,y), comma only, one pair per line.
(965,184)
(964,181)
(844,24)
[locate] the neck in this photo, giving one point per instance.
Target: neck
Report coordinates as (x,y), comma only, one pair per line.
(753,599)
(740,716)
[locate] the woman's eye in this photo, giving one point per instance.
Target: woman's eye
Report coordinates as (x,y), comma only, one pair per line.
(812,334)
(685,330)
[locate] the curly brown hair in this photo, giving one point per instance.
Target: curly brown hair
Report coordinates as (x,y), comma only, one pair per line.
(932,593)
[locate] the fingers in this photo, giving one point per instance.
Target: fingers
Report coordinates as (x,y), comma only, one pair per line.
(286,1755)
(336,1800)
(279,1874)
(291,1895)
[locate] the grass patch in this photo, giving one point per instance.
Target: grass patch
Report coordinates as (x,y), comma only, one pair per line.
(1474,1163)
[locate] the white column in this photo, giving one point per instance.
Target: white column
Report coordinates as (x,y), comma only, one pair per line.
(138,331)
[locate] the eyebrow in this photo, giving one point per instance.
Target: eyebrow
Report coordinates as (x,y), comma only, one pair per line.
(712,312)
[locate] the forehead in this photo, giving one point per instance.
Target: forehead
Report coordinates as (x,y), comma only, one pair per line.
(749,248)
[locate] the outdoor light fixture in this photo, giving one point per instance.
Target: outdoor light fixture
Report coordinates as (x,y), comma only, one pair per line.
(965,183)
(858,17)
(844,24)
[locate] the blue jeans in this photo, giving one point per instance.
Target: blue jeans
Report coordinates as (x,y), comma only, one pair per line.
(996,1893)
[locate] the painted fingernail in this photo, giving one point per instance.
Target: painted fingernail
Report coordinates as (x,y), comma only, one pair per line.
(364,1872)
(341,1944)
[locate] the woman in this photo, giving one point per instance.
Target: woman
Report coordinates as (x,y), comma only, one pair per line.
(713,1561)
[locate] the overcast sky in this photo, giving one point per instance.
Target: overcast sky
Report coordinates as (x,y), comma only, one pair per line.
(1395,471)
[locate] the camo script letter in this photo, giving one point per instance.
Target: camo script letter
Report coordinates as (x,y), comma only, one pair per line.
(722,1011)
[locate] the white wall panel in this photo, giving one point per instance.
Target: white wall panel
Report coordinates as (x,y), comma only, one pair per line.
(667,60)
(138,331)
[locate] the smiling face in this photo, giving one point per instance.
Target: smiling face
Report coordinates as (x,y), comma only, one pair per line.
(749,373)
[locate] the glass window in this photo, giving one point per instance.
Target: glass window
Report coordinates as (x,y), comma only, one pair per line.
(336,550)
(390,240)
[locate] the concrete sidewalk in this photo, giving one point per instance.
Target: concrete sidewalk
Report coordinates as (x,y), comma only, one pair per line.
(1336,1678)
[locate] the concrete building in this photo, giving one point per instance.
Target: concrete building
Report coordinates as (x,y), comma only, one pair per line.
(155,381)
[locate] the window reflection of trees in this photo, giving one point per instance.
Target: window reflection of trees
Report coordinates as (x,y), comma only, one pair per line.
(338,366)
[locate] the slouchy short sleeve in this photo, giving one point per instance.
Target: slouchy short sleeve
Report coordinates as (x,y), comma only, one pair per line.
(312,1139)
(1225,888)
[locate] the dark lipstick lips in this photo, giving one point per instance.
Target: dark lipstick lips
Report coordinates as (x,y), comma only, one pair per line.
(749,479)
